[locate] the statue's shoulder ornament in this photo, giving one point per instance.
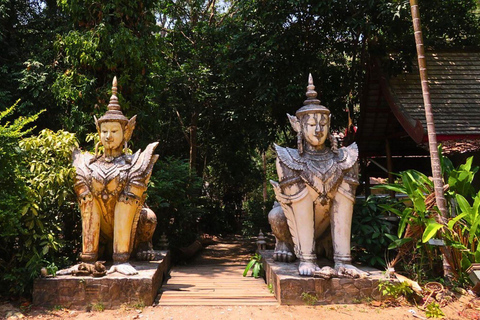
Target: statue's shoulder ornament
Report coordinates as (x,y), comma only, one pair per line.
(347,157)
(81,159)
(83,172)
(349,164)
(290,158)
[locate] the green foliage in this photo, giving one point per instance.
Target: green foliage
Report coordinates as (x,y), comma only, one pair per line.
(27,30)
(52,269)
(212,80)
(460,231)
(433,310)
(309,299)
(255,215)
(259,201)
(33,221)
(255,266)
(459,179)
(107,38)
(12,197)
(270,288)
(395,290)
(174,195)
(371,231)
(99,307)
(449,23)
(417,224)
(416,186)
(50,175)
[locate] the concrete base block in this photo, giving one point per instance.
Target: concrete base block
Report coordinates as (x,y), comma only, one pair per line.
(292,289)
(107,292)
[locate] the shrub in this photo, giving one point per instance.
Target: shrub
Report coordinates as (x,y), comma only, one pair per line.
(38,176)
(371,231)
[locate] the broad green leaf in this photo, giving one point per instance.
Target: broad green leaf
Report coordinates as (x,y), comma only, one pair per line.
(389,208)
(256,270)
(419,202)
(452,222)
(398,243)
(477,256)
(464,206)
(248,267)
(391,187)
(403,221)
(431,230)
(473,230)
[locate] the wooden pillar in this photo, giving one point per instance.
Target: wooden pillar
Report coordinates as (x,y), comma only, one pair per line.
(389,165)
(365,177)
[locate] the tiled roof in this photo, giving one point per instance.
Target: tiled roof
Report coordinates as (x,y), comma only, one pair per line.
(392,108)
(454,80)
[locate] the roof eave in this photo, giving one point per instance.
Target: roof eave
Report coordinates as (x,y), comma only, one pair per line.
(413,127)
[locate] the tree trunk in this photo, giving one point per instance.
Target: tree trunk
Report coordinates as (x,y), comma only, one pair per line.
(193,142)
(264,161)
(432,135)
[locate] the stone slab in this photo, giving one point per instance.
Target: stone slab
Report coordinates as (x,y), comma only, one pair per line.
(289,286)
(107,292)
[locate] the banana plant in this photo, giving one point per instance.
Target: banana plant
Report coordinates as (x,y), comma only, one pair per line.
(417,187)
(419,218)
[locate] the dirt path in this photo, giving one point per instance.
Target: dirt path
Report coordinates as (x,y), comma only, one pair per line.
(235,250)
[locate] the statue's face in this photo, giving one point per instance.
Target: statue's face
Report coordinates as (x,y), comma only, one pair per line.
(315,128)
(111,135)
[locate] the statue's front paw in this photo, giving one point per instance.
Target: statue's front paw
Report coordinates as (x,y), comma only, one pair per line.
(350,271)
(123,268)
(307,268)
(283,256)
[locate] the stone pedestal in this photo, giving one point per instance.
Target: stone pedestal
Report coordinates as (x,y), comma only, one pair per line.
(289,286)
(107,292)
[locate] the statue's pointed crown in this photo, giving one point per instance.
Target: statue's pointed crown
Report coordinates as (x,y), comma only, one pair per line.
(114,112)
(312,104)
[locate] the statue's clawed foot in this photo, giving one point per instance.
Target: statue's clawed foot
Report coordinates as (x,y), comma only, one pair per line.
(147,255)
(282,253)
(350,271)
(123,268)
(326,273)
(307,268)
(283,256)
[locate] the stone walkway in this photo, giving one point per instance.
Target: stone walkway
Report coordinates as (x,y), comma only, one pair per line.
(214,278)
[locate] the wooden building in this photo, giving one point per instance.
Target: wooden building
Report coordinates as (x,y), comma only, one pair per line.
(392,134)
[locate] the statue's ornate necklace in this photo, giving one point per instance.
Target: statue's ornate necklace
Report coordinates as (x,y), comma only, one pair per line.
(104,172)
(320,155)
(322,173)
